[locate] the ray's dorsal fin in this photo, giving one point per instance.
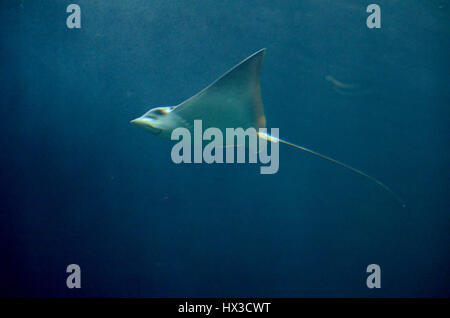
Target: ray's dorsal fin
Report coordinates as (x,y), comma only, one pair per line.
(232,101)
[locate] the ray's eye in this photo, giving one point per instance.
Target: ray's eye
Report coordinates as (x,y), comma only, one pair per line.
(158,112)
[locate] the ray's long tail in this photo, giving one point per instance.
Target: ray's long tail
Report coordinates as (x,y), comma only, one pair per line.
(378,182)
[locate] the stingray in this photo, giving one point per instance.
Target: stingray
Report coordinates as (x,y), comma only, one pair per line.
(232,101)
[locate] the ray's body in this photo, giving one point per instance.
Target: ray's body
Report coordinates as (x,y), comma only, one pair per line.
(232,101)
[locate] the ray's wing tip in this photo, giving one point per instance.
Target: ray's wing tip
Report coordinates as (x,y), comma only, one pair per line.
(258,55)
(260,51)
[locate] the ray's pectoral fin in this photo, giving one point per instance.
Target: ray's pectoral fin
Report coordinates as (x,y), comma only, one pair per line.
(234,100)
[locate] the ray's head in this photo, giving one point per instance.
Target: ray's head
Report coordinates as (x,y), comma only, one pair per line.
(156,120)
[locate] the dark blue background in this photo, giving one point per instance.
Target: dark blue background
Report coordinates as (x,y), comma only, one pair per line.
(79,184)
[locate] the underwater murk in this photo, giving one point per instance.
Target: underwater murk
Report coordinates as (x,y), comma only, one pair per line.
(289,149)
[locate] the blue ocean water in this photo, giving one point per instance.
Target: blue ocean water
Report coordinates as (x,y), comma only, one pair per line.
(79,184)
